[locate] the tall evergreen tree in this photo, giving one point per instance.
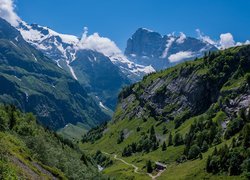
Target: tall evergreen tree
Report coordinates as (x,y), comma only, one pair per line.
(164,146)
(170,139)
(149,167)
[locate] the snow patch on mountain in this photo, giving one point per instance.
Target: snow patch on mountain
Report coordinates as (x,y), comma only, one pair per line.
(63,47)
(170,41)
(34,35)
(182,38)
(72,71)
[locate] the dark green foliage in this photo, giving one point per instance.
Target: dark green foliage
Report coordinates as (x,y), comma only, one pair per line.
(102,159)
(233,159)
(47,147)
(84,159)
(203,133)
(246,167)
(164,146)
(178,140)
(164,130)
(248,79)
(204,146)
(233,127)
(181,118)
(120,137)
(94,134)
(12,117)
(194,152)
(170,139)
(126,91)
(149,167)
(147,143)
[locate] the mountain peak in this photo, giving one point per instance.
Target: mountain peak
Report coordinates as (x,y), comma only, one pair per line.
(147,47)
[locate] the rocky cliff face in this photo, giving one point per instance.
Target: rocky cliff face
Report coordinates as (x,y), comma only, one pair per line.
(147,47)
(190,88)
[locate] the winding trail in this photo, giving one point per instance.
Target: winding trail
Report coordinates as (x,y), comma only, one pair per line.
(136,168)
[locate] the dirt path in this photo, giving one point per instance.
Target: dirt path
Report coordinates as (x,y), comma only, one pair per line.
(157,175)
(136,168)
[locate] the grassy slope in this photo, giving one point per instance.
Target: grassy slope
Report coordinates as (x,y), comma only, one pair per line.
(188,170)
(72,132)
(16,151)
(28,151)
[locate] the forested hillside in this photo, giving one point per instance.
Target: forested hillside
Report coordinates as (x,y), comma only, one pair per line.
(193,117)
(29,151)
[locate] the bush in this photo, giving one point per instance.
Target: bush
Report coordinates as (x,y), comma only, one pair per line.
(194,152)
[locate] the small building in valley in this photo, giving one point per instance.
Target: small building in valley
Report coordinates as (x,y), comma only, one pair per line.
(160,166)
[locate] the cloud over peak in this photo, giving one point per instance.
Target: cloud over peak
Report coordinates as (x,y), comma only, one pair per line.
(226,40)
(7,12)
(180,56)
(98,43)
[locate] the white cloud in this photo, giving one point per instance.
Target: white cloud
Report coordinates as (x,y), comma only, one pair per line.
(247,42)
(226,40)
(204,37)
(100,44)
(7,12)
(180,56)
(182,38)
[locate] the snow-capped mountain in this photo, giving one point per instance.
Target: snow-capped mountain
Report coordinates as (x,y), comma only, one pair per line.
(63,48)
(147,47)
(96,62)
(146,52)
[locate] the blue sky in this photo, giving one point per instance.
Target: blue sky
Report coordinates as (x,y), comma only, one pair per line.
(118,19)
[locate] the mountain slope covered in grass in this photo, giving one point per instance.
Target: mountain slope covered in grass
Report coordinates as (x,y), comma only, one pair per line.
(29,151)
(193,117)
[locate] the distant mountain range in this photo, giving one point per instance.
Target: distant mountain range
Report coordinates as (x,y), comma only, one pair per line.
(98,68)
(147,47)
(102,67)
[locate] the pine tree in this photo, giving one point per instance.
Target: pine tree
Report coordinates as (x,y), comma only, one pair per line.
(149,167)
(208,168)
(12,116)
(84,159)
(164,146)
